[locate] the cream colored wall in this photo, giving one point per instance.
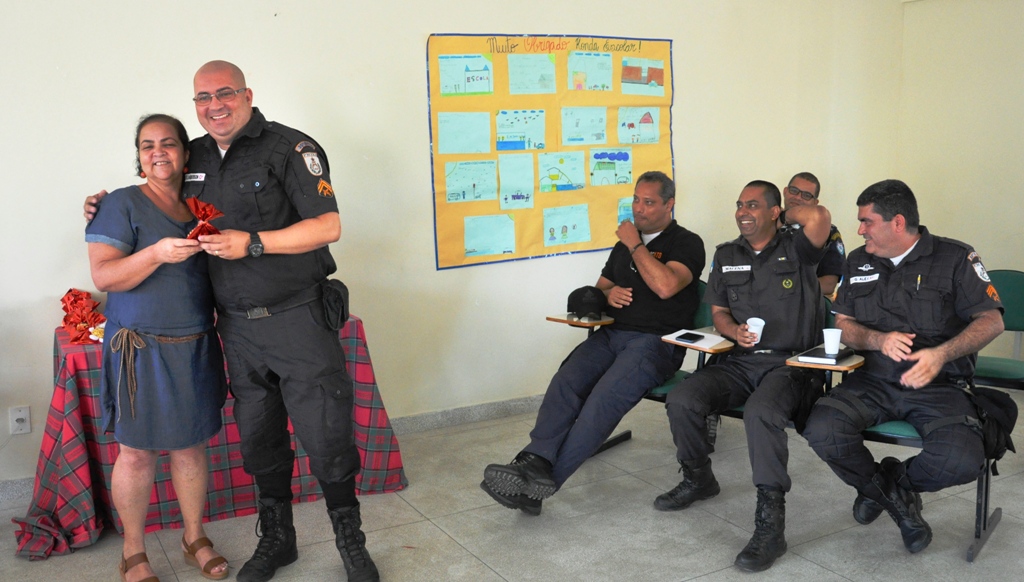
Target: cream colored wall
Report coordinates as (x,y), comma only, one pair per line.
(961,125)
(763,90)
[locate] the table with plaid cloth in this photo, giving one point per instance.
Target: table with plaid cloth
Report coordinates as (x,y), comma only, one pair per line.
(71,501)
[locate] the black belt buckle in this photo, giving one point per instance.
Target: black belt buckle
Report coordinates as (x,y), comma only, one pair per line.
(257,313)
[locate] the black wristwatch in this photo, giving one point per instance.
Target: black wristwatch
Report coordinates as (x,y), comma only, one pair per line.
(255,245)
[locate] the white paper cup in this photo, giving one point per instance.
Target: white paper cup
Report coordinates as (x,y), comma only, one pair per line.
(832,336)
(755,325)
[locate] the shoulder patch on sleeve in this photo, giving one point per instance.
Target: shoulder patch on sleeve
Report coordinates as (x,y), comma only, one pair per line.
(303,145)
(979,268)
(313,163)
(324,189)
(992,293)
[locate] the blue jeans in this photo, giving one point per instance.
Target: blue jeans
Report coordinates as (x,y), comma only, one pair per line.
(600,381)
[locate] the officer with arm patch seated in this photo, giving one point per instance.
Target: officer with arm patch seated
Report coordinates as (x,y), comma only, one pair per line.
(918,307)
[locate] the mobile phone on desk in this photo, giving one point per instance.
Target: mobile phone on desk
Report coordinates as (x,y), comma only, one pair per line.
(689,337)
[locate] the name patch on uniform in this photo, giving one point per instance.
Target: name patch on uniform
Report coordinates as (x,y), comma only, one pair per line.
(727,269)
(313,164)
(864,279)
(303,145)
(324,189)
(195,177)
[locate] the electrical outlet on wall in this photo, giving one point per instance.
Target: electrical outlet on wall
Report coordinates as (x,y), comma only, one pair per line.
(21,419)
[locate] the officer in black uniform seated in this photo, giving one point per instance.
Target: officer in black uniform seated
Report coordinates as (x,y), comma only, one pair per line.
(804,190)
(918,307)
(770,274)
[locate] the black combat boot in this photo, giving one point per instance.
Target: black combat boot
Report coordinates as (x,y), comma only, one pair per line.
(520,502)
(277,542)
(903,505)
(865,509)
(351,543)
(698,483)
(769,540)
(528,474)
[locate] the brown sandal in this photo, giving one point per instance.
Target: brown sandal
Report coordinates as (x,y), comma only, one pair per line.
(189,551)
(129,563)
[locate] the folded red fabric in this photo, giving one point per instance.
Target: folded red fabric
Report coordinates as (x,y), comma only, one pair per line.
(81,315)
(205,212)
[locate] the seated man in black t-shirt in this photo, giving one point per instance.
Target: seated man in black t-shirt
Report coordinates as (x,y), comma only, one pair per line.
(650,280)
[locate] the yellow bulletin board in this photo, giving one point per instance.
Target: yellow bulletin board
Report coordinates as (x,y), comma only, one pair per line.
(536,141)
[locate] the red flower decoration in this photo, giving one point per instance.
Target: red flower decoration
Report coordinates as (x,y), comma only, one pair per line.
(205,212)
(81,314)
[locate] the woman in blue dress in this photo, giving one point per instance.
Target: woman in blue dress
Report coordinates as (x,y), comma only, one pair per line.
(163,372)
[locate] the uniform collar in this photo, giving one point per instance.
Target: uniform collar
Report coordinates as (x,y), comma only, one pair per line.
(742,242)
(252,129)
(255,125)
(925,246)
(669,228)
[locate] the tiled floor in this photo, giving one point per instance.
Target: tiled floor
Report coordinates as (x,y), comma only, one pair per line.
(600,526)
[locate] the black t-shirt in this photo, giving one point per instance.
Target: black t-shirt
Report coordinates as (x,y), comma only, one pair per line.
(649,313)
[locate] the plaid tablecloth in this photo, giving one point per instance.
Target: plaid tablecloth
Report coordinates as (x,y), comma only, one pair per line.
(71,501)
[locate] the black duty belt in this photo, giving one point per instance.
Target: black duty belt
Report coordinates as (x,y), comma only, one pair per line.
(303,297)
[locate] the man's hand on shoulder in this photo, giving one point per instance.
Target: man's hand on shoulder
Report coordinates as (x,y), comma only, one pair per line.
(92,204)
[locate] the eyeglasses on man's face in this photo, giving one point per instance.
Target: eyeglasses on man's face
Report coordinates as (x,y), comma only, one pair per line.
(801,193)
(224,96)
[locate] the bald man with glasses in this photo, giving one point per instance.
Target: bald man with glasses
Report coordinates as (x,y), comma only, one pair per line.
(269,266)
